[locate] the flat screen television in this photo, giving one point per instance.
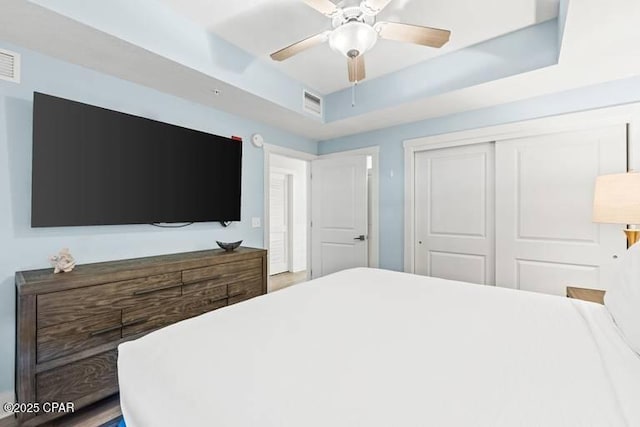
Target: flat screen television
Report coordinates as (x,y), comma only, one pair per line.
(93,166)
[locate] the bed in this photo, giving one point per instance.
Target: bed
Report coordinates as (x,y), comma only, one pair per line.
(368,347)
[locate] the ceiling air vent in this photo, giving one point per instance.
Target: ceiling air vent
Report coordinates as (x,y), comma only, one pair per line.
(312,104)
(9,66)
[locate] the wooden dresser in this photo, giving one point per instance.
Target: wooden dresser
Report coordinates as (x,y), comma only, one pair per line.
(69,325)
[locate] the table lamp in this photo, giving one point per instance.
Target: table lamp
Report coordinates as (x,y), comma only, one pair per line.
(617,201)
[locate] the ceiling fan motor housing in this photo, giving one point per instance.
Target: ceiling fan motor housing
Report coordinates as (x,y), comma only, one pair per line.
(352,14)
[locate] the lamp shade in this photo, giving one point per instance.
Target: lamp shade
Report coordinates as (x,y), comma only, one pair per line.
(353,36)
(617,199)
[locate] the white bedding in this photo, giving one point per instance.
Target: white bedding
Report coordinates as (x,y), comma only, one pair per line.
(373,348)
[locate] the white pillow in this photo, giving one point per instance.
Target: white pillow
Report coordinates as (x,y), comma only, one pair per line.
(623,297)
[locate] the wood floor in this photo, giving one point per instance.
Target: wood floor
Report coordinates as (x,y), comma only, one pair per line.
(284,280)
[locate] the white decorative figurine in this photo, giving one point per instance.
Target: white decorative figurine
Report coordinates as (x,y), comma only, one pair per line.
(63,262)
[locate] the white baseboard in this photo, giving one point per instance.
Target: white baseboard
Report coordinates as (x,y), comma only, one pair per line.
(5,397)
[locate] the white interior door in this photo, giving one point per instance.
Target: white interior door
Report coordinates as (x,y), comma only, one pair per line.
(338,214)
(278,224)
(454,213)
(545,238)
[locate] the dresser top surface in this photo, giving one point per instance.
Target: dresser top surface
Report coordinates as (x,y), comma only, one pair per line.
(44,280)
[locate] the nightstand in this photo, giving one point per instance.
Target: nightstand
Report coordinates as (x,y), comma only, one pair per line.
(593,295)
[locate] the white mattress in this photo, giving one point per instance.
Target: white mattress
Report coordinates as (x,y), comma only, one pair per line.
(376,348)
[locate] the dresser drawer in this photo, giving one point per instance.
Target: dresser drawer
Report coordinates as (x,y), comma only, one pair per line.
(209,288)
(147,318)
(69,306)
(197,306)
(222,273)
(140,320)
(96,376)
(245,290)
(68,338)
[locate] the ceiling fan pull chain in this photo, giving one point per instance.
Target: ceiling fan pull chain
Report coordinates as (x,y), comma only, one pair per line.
(353,94)
(355,83)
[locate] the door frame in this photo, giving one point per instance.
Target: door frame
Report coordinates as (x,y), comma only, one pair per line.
(625,114)
(374,238)
(269,150)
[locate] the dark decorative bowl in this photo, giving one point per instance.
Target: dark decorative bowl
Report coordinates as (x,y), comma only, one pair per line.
(229,247)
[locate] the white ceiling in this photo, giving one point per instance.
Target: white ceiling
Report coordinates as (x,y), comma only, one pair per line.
(264,26)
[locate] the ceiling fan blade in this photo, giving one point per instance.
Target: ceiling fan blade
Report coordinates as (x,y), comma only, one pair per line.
(427,36)
(323,6)
(377,5)
(356,69)
(300,46)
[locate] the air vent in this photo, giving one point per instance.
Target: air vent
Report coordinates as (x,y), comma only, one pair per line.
(9,66)
(312,104)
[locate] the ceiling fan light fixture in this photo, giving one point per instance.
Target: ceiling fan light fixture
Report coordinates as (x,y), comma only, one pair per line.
(353,36)
(356,31)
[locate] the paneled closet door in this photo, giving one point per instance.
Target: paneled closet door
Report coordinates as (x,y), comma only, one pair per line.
(545,238)
(454,216)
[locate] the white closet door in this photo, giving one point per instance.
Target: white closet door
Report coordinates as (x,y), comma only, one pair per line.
(455,213)
(545,238)
(278,224)
(338,214)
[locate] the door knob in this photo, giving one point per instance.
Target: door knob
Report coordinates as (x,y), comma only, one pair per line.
(360,237)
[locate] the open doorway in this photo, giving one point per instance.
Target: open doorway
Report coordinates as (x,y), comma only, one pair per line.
(288,221)
(332,197)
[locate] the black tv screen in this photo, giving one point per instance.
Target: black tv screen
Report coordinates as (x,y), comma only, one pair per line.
(93,166)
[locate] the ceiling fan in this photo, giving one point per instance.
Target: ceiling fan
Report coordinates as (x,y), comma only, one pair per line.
(355,31)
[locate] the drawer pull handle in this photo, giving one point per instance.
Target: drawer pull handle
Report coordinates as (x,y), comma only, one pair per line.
(214,300)
(134,322)
(237,294)
(105,330)
(150,291)
(199,280)
(116,327)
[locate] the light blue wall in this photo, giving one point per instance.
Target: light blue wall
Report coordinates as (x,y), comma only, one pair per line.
(392,153)
(25,248)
